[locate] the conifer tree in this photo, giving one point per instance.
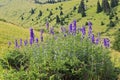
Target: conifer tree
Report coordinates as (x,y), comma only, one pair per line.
(81,8)
(114,3)
(61,13)
(106,6)
(99,8)
(57,19)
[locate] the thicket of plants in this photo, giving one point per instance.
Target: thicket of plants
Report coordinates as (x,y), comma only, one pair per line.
(74,54)
(116,44)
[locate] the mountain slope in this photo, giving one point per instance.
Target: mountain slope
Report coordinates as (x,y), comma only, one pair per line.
(10,32)
(19,12)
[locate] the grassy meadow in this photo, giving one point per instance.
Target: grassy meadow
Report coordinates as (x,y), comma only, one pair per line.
(18,16)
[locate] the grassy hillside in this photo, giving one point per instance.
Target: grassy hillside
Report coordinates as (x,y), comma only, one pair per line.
(10,32)
(18,12)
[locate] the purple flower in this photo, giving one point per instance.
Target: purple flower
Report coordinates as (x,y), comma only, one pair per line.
(90,29)
(97,41)
(52,31)
(47,25)
(106,42)
(20,42)
(25,42)
(36,40)
(90,24)
(70,28)
(65,35)
(31,35)
(16,44)
(83,30)
(74,26)
(93,38)
(41,38)
(31,41)
(89,33)
(41,31)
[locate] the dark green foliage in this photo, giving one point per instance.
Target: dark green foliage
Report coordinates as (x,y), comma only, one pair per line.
(114,3)
(22,18)
(86,23)
(111,24)
(102,23)
(57,19)
(111,15)
(81,8)
(116,18)
(99,8)
(62,21)
(51,1)
(40,13)
(32,11)
(3,20)
(61,12)
(60,7)
(50,13)
(74,8)
(106,6)
(66,58)
(116,44)
(15,60)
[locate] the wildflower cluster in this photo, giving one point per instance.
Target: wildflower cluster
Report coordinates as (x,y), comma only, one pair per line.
(73,30)
(75,53)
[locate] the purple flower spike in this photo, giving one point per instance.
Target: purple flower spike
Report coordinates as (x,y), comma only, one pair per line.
(93,38)
(97,41)
(106,42)
(47,26)
(31,41)
(20,42)
(31,35)
(41,38)
(83,30)
(70,28)
(65,35)
(16,44)
(36,40)
(89,24)
(25,42)
(89,33)
(9,44)
(74,26)
(74,23)
(52,31)
(41,31)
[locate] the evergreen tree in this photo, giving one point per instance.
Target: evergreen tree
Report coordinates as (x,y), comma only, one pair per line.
(61,13)
(112,24)
(74,8)
(114,3)
(99,8)
(106,6)
(57,19)
(81,8)
(50,13)
(40,13)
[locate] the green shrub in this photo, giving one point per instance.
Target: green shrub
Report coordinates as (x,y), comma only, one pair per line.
(116,44)
(15,59)
(65,58)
